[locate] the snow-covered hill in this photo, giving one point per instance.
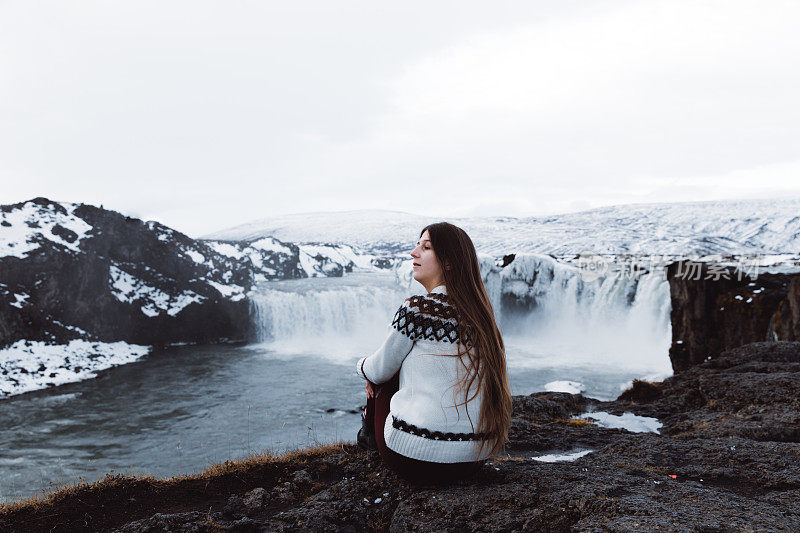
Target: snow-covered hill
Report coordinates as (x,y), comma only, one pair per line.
(677,229)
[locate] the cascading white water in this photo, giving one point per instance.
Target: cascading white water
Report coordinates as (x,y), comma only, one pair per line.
(614,321)
(334,317)
(611,323)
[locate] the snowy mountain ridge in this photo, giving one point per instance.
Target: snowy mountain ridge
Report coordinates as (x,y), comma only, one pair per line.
(731,227)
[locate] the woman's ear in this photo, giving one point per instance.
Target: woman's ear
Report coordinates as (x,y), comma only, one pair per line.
(447,265)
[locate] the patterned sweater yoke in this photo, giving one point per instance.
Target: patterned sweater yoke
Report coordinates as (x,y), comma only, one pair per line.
(428,317)
(424,423)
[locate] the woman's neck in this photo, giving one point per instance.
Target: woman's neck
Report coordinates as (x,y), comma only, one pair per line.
(431,286)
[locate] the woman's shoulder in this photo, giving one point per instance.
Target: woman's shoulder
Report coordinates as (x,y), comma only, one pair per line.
(428,317)
(432,305)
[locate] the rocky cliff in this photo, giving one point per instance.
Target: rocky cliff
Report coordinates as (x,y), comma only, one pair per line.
(717,308)
(79,271)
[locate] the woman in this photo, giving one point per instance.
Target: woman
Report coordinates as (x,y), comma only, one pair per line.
(438,400)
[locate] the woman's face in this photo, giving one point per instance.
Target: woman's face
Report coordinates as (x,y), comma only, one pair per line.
(427,269)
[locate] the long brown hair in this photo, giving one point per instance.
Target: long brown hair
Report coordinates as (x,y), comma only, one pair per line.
(479,337)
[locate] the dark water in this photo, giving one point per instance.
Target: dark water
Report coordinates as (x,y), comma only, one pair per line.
(180,410)
(173,412)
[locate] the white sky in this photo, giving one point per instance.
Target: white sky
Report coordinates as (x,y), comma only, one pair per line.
(204,115)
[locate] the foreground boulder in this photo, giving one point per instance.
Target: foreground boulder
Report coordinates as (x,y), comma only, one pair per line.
(716,460)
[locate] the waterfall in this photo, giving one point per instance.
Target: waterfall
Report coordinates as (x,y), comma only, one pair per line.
(550,316)
(548,311)
(334,317)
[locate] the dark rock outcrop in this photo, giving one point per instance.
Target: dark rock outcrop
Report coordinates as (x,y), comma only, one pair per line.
(725,459)
(121,279)
(715,309)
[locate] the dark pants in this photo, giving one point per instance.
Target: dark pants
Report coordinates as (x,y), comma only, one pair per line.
(406,467)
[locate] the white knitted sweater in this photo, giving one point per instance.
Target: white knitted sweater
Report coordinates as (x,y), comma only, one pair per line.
(423,421)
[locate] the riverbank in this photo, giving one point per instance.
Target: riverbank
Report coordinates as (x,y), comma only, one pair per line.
(724,458)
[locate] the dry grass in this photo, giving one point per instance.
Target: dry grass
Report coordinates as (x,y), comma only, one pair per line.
(510,458)
(112,482)
(574,421)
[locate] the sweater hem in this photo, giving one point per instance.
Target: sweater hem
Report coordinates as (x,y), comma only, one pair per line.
(424,449)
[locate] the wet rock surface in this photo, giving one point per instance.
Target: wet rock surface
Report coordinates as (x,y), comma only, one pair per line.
(727,458)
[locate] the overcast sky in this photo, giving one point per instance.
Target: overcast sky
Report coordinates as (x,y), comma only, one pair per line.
(203,115)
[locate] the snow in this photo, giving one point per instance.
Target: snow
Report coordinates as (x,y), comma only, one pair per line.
(165,233)
(234,292)
(629,421)
(313,266)
(71,328)
(18,239)
(226,249)
(197,257)
(271,245)
(573,387)
(340,253)
(20,300)
(182,300)
(676,229)
(307,263)
(556,457)
(150,310)
(33,365)
(129,289)
(256,252)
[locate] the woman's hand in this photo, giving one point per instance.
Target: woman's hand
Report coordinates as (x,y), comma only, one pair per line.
(370,390)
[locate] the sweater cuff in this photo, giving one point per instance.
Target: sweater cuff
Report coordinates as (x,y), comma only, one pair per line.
(360,368)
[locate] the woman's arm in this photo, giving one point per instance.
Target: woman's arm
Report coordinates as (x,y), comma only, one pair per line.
(386,361)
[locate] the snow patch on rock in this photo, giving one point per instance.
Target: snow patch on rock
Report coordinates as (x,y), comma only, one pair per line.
(234,292)
(21,299)
(270,244)
(557,457)
(129,289)
(20,227)
(627,420)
